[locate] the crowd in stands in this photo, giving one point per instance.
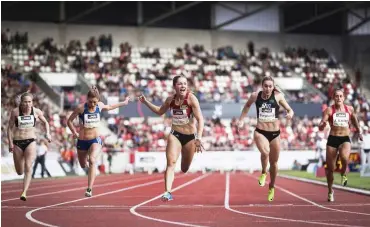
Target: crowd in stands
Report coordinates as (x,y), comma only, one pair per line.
(222,75)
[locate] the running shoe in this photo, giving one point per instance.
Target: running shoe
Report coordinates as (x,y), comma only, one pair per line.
(88,192)
(271,194)
(167,196)
(23,196)
(331,197)
(262,179)
(344,180)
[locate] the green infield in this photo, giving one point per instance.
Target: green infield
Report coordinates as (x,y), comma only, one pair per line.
(354,179)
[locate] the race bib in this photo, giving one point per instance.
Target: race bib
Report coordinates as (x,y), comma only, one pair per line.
(179,117)
(266,114)
(26,121)
(91,120)
(341,119)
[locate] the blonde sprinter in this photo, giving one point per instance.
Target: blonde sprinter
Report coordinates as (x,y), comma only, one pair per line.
(89,143)
(22,137)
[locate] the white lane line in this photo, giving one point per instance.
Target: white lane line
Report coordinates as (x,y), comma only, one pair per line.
(132,210)
(29,213)
(80,188)
(312,202)
(227,206)
(354,190)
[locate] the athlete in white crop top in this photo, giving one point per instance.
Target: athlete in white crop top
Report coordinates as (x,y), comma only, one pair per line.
(183,105)
(89,142)
(22,137)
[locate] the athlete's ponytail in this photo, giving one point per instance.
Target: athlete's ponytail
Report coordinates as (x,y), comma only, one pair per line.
(93,92)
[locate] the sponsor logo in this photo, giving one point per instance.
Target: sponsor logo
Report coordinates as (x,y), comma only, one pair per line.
(178,112)
(266,106)
(147,159)
(341,115)
(94,116)
(184,107)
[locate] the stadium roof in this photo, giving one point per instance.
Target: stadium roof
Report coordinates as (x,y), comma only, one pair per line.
(296,17)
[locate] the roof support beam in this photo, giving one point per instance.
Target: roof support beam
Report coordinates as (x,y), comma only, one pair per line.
(172,12)
(320,17)
(88,11)
(244,15)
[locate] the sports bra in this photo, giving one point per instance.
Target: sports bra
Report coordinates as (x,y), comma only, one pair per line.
(340,118)
(90,120)
(25,121)
(181,114)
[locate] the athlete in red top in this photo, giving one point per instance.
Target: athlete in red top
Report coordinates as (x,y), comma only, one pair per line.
(183,106)
(339,116)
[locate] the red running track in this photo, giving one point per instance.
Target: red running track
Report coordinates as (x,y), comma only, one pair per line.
(213,199)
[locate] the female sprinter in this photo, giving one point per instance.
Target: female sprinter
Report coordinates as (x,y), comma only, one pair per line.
(22,137)
(89,143)
(267,133)
(184,105)
(339,116)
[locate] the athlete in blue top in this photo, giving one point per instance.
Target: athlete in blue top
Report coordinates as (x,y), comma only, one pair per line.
(89,142)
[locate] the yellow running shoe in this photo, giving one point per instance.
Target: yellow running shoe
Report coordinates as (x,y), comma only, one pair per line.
(262,179)
(344,180)
(271,194)
(23,196)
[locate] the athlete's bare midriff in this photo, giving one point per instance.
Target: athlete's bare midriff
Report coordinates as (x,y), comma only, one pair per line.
(189,128)
(269,126)
(88,133)
(339,131)
(24,134)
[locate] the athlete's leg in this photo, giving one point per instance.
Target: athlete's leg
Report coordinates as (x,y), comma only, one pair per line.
(331,158)
(344,151)
(263,146)
(29,156)
(94,151)
(172,154)
(187,154)
(18,157)
(273,158)
(82,158)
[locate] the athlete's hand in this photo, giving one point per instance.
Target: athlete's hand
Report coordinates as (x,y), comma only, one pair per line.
(322,126)
(127,100)
(142,98)
(289,115)
(75,135)
(360,137)
(11,149)
(48,137)
(240,125)
(199,146)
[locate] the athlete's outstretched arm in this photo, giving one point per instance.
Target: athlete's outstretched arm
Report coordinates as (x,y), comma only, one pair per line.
(10,130)
(247,106)
(198,115)
(285,105)
(156,109)
(324,120)
(114,106)
(46,124)
(71,118)
(355,122)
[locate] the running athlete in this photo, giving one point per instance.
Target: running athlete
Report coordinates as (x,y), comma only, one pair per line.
(22,137)
(184,136)
(89,142)
(267,133)
(339,116)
